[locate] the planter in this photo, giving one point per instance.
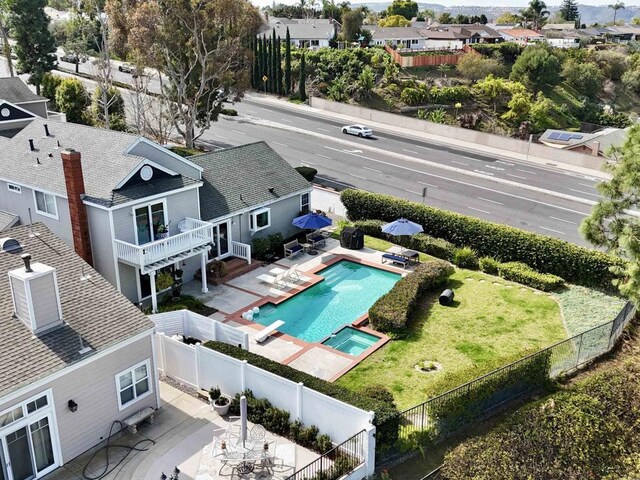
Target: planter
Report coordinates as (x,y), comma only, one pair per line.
(163,235)
(221,409)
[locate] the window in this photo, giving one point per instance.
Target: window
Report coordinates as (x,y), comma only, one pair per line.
(260,219)
(148,220)
(414,42)
(133,384)
(304,203)
(37,404)
(11,416)
(46,204)
(315,43)
(14,188)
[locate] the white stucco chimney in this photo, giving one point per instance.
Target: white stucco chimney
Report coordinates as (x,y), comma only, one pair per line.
(35,294)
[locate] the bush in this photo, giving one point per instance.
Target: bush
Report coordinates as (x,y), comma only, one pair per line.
(489,265)
(261,247)
(522,273)
(307,172)
(324,443)
(309,437)
(545,254)
(386,418)
(379,392)
(465,257)
(509,51)
(275,242)
(393,310)
(230,112)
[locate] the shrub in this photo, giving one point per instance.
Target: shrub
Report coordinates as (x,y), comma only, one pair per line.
(522,273)
(276,420)
(324,443)
(386,418)
(307,172)
(393,310)
(229,112)
(465,257)
(261,247)
(275,242)
(489,265)
(379,392)
(309,437)
(545,254)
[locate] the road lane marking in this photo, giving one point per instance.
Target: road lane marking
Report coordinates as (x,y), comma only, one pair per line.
(357,176)
(585,185)
(324,130)
(563,220)
(372,169)
(526,171)
(286,121)
(484,173)
(478,210)
(278,143)
(504,163)
(415,193)
(460,163)
(424,148)
(220,137)
(427,184)
(410,151)
(490,201)
(516,176)
(324,156)
(471,158)
(500,169)
(552,230)
(238,132)
(585,193)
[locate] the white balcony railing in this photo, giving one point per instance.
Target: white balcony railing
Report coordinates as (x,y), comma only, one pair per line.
(196,234)
(241,250)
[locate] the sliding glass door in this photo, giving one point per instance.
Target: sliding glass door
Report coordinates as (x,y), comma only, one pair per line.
(221,240)
(28,451)
(148,219)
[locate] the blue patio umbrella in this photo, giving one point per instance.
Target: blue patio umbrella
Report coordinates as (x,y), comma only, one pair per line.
(311,221)
(401,227)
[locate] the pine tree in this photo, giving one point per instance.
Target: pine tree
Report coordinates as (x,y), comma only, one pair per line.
(302,91)
(287,64)
(35,46)
(569,10)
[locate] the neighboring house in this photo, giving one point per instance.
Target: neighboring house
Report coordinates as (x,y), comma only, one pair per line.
(450,37)
(630,32)
(562,39)
(400,37)
(521,36)
(8,220)
(558,27)
(16,92)
(312,33)
(605,35)
(596,143)
(75,355)
(130,207)
(476,33)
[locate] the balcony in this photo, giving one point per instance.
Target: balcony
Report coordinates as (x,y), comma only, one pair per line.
(195,238)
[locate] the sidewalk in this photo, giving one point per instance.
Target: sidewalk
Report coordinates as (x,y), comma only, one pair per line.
(436,139)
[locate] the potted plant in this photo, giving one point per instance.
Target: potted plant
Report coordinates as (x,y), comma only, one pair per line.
(163,231)
(219,403)
(164,281)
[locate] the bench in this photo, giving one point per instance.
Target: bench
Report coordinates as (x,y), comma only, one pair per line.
(291,249)
(133,421)
(263,334)
(316,238)
(395,259)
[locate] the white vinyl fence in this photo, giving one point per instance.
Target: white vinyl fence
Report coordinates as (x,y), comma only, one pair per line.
(190,324)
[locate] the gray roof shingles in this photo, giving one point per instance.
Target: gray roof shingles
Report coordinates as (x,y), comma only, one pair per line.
(91,308)
(7,220)
(239,178)
(14,90)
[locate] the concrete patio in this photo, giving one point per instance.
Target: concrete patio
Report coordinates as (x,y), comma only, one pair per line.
(183,434)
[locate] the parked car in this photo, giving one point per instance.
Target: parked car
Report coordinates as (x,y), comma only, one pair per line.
(129,68)
(359,130)
(72,58)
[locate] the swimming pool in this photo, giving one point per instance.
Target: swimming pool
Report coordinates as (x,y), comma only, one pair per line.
(351,340)
(347,292)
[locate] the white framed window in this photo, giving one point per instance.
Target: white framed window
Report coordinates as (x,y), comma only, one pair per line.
(260,219)
(414,41)
(133,384)
(46,204)
(304,203)
(315,43)
(14,188)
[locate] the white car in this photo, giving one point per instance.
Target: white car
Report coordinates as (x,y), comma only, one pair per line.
(359,130)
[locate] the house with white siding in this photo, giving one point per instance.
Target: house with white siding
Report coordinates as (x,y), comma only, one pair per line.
(311,33)
(75,355)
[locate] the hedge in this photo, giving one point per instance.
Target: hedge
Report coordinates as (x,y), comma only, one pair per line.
(393,310)
(522,273)
(545,254)
(387,420)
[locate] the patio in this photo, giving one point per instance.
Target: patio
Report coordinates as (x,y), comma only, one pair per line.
(247,291)
(183,433)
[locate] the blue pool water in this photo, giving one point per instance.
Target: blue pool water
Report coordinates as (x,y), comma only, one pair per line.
(347,292)
(352,341)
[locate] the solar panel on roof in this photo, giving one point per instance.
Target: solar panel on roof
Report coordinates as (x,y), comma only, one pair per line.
(565,136)
(576,136)
(554,136)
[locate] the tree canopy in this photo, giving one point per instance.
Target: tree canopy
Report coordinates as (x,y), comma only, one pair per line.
(569,10)
(394,21)
(537,68)
(407,8)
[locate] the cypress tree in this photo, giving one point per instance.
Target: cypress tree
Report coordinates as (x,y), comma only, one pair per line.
(274,63)
(265,63)
(302,91)
(279,65)
(263,67)
(287,64)
(254,67)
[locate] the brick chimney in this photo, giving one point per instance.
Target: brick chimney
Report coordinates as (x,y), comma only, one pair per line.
(72,166)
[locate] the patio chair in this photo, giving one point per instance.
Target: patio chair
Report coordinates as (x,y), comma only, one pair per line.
(292,274)
(277,280)
(257,433)
(285,461)
(292,249)
(316,238)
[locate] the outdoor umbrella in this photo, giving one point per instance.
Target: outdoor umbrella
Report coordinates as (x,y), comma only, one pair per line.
(402,227)
(243,419)
(311,221)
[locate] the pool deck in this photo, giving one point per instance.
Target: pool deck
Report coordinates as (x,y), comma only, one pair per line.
(246,291)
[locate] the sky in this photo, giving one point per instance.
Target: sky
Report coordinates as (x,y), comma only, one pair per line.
(451,3)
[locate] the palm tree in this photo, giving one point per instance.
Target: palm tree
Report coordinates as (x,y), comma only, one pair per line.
(539,13)
(615,7)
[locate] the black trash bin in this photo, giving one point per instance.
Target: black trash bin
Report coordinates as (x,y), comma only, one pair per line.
(352,238)
(446,298)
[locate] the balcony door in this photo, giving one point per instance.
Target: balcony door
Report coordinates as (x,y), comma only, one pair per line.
(221,240)
(148,219)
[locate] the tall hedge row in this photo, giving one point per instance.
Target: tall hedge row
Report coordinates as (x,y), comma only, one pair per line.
(545,254)
(387,420)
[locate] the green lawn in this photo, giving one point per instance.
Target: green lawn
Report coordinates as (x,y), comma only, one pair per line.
(493,323)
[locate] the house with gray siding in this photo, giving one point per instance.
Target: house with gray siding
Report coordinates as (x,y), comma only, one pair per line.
(75,355)
(133,209)
(16,92)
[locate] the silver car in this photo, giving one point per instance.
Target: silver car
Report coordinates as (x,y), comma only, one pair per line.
(359,130)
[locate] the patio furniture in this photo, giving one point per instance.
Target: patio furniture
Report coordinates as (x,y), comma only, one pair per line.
(290,274)
(308,248)
(292,249)
(277,280)
(284,461)
(139,417)
(317,238)
(263,334)
(257,432)
(395,259)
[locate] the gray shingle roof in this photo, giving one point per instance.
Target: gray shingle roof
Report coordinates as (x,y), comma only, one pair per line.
(303,31)
(91,308)
(239,178)
(104,163)
(7,220)
(143,190)
(14,90)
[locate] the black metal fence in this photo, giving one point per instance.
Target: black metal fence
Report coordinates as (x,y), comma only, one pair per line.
(337,462)
(443,415)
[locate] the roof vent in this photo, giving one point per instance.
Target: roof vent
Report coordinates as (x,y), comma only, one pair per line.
(31,146)
(10,245)
(272,189)
(46,130)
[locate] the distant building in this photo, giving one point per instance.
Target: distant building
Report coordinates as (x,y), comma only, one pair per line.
(596,143)
(448,37)
(313,33)
(522,36)
(15,91)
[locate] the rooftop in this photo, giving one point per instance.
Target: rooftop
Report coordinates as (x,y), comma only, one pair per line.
(14,90)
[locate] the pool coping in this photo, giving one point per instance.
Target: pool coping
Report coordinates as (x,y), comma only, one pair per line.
(314,278)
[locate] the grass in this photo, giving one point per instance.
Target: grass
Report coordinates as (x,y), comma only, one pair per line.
(493,323)
(584,308)
(186,302)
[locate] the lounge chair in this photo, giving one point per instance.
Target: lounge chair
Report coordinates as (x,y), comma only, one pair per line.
(263,334)
(292,274)
(395,259)
(316,238)
(277,280)
(292,249)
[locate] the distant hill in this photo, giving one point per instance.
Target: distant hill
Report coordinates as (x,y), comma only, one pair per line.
(589,14)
